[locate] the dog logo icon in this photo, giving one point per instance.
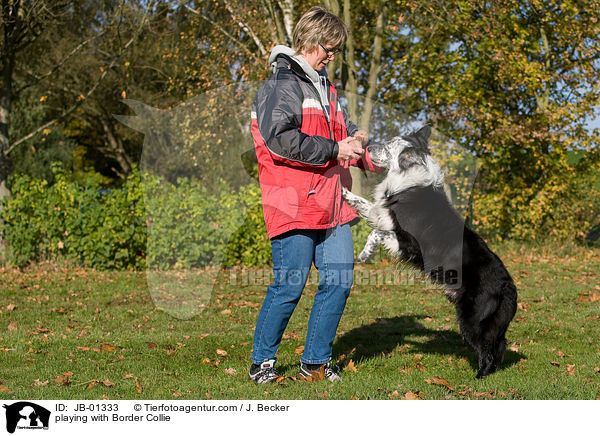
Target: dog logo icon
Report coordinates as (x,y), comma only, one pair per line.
(26,415)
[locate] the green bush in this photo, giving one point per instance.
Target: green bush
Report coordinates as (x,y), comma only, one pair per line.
(149,223)
(191,226)
(79,223)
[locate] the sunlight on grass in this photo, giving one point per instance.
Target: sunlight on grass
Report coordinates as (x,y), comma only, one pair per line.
(82,334)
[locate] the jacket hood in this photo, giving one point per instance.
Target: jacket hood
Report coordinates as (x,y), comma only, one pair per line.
(284,50)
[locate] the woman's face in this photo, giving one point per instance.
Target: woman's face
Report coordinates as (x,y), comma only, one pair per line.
(319,58)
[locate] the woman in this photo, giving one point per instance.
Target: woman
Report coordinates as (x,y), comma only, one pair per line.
(305,143)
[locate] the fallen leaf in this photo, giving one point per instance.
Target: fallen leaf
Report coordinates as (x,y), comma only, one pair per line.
(63,379)
(10,307)
(589,296)
(12,326)
(107,347)
(554,363)
(138,386)
(128,376)
(316,375)
(37,382)
(225,312)
(230,371)
(413,396)
(221,352)
(4,389)
(108,383)
(299,350)
(394,394)
(351,367)
(571,369)
(152,345)
(420,366)
(440,381)
(596,369)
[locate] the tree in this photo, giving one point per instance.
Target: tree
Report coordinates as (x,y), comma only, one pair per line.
(63,52)
(514,82)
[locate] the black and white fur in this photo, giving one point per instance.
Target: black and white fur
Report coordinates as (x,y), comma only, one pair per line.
(413,219)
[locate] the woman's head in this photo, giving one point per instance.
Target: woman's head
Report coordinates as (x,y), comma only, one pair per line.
(318,35)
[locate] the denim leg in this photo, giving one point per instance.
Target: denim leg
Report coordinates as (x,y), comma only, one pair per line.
(334,258)
(293,255)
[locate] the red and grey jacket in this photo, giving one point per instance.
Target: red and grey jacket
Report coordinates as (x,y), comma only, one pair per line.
(295,130)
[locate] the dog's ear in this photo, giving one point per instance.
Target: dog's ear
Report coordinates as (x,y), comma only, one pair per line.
(409,157)
(421,137)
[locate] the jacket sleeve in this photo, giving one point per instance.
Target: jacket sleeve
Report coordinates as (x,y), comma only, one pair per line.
(280,121)
(365,163)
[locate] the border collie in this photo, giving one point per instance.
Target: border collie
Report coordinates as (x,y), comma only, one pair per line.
(413,219)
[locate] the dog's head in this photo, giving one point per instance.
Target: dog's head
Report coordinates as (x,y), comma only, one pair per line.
(402,152)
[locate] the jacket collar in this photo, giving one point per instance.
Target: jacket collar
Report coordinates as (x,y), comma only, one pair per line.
(295,61)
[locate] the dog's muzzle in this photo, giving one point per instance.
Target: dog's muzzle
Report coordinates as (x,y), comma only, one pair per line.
(378,154)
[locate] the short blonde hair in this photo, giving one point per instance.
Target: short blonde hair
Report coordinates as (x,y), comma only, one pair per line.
(319,26)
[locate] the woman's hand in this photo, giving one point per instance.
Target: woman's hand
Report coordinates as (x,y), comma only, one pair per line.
(349,148)
(362,136)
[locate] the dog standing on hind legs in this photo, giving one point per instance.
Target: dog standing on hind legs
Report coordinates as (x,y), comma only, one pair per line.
(413,219)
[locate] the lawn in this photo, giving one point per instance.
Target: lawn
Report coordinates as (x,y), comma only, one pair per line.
(68,333)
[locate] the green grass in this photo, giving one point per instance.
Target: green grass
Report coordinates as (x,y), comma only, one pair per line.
(105,326)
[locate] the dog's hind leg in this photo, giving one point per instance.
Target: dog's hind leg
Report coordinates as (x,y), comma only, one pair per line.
(375,239)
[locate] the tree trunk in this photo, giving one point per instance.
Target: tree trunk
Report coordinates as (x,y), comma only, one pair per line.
(4,141)
(287,10)
(351,88)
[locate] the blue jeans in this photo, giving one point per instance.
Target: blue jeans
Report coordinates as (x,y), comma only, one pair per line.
(293,253)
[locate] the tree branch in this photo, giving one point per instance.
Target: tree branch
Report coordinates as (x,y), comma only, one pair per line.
(246,28)
(223,31)
(82,98)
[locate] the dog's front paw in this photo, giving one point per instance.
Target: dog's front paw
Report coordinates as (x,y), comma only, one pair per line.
(345,193)
(364,256)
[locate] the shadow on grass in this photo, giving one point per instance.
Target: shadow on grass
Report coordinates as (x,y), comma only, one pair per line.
(385,334)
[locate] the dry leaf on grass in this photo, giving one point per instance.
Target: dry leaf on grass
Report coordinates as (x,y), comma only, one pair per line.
(414,396)
(64,379)
(571,369)
(589,296)
(440,381)
(221,352)
(351,367)
(230,371)
(299,350)
(12,326)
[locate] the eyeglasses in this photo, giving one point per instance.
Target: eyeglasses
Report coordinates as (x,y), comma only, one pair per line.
(329,52)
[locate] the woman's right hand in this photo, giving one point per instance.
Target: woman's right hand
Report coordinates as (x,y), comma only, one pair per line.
(349,148)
